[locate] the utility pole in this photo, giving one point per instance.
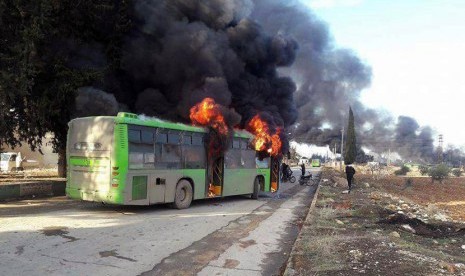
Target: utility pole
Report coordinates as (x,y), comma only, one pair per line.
(342,148)
(335,157)
(440,149)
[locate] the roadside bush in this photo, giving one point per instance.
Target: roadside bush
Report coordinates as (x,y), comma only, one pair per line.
(402,171)
(423,170)
(439,172)
(457,172)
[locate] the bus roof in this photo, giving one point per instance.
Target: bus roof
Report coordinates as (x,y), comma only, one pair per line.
(134,119)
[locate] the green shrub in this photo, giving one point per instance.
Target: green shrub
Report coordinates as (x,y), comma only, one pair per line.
(402,171)
(439,172)
(423,170)
(457,172)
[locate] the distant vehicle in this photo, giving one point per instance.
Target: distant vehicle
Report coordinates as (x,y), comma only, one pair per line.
(13,162)
(304,160)
(129,160)
(316,163)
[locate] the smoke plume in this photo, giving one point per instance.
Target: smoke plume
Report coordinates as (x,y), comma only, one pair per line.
(329,80)
(274,58)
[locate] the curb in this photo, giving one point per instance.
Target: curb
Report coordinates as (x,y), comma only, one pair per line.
(32,189)
(289,270)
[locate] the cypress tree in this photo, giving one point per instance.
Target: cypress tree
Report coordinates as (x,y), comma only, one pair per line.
(350,145)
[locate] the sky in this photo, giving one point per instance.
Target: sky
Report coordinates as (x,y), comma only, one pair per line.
(416,49)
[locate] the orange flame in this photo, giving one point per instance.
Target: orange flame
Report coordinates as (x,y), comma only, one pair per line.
(264,140)
(208,113)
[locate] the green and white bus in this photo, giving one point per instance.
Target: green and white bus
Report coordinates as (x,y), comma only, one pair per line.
(316,163)
(135,160)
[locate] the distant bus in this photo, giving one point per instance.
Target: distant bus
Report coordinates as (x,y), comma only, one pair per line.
(132,160)
(316,163)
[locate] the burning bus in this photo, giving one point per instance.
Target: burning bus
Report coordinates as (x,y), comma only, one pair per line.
(135,160)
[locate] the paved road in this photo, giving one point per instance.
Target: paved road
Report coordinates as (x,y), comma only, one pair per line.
(231,236)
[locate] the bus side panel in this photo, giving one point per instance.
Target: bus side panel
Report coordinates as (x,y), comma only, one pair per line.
(137,185)
(198,176)
(238,181)
(119,161)
(143,186)
(266,173)
(170,178)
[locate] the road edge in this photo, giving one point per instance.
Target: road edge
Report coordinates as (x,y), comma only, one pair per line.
(289,270)
(17,191)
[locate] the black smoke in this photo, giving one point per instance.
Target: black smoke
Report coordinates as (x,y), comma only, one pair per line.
(184,51)
(179,52)
(93,102)
(329,80)
(269,57)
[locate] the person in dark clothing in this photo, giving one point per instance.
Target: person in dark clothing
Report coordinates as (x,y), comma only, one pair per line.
(284,171)
(302,168)
(350,171)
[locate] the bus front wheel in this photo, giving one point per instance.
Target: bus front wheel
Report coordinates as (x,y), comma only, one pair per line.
(183,196)
(256,188)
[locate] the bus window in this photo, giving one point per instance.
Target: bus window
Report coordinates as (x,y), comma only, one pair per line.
(147,137)
(262,164)
(248,159)
(197,141)
(244,143)
(136,160)
(149,158)
(141,156)
(194,157)
(236,144)
(173,138)
(134,135)
(167,156)
(162,138)
(232,159)
(187,139)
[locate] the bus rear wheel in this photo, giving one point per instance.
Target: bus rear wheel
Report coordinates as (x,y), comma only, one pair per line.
(183,196)
(256,188)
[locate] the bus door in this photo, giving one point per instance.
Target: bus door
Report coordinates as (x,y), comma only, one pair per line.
(237,178)
(275,162)
(215,177)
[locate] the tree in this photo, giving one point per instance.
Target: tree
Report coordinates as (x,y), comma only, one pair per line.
(402,171)
(439,172)
(350,146)
(39,75)
(423,169)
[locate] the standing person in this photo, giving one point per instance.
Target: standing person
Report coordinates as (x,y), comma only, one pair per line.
(302,168)
(350,171)
(284,169)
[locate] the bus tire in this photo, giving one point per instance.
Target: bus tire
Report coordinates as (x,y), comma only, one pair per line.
(256,188)
(183,196)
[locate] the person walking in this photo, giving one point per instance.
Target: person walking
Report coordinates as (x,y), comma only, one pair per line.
(350,171)
(302,168)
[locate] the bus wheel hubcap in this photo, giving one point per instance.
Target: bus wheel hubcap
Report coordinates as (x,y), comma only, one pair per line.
(182,194)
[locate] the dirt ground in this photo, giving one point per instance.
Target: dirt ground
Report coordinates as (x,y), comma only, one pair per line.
(383,227)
